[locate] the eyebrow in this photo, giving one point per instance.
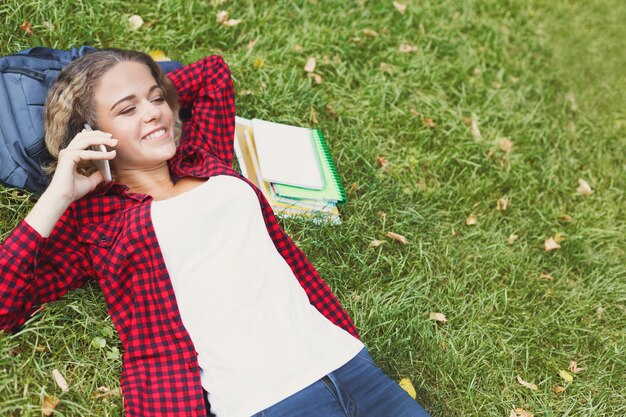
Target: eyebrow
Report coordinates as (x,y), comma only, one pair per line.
(133,96)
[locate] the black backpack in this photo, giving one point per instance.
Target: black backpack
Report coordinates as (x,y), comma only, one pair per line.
(24,81)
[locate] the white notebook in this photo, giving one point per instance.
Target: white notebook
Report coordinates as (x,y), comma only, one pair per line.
(286,154)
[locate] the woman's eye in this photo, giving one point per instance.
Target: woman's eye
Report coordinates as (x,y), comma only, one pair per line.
(159,99)
(127,110)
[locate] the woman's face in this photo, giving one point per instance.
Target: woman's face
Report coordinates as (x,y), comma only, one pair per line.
(132,107)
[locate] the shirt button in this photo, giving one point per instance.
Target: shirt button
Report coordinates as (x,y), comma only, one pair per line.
(103,239)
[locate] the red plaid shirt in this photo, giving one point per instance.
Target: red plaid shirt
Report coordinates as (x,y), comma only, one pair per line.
(109,236)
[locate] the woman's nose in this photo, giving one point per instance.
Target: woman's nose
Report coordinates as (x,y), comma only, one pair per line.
(152,112)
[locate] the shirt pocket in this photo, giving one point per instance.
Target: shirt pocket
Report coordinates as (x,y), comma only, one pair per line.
(100,235)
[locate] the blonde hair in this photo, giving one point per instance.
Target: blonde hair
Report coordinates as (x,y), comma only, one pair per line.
(70,101)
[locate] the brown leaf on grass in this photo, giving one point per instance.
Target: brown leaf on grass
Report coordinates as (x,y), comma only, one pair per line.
(512,238)
(550,245)
(438,317)
(502,204)
(405,48)
(353,187)
(414,112)
(558,389)
(251,44)
(221,16)
(231,22)
(49,25)
(565,217)
(61,382)
(27,28)
(401,8)
(135,22)
(567,377)
(376,243)
(475,130)
(546,276)
(106,393)
(382,215)
(397,237)
(599,312)
(583,187)
(331,111)
(558,237)
(528,385)
(382,161)
(371,33)
(520,412)
(245,93)
(151,23)
(573,365)
(313,116)
(429,122)
(505,144)
(471,220)
(310,64)
(384,67)
(297,47)
(316,77)
(50,402)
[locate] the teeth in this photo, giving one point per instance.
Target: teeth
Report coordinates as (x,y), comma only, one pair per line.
(155,134)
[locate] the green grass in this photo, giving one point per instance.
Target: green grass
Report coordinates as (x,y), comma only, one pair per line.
(510,65)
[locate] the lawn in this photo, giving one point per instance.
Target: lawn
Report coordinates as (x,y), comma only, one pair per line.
(464,126)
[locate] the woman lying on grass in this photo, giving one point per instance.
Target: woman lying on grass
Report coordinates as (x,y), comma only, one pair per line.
(213,302)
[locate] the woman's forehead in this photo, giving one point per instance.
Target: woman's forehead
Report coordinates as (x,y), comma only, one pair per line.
(123,79)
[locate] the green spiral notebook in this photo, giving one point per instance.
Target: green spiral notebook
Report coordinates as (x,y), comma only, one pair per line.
(332,189)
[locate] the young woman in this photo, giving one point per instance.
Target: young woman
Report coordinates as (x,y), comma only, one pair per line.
(213,302)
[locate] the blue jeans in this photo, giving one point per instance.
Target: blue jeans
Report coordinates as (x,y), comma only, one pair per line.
(357,389)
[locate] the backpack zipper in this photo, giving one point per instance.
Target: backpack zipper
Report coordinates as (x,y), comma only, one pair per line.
(27,72)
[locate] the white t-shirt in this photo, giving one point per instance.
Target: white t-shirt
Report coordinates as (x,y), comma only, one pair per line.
(258,338)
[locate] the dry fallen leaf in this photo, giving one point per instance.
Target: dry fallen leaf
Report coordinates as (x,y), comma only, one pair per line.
(566,375)
(550,244)
(438,317)
(505,144)
(135,22)
(26,27)
(528,385)
(316,77)
(158,55)
(565,217)
(49,25)
(297,47)
(397,237)
(429,122)
(558,389)
(313,116)
(558,237)
(512,238)
(471,220)
(232,22)
(245,93)
(401,8)
(384,67)
(573,365)
(376,243)
(382,161)
(583,187)
(546,276)
(370,33)
(221,16)
(520,412)
(50,402)
(331,111)
(599,312)
(502,204)
(61,382)
(405,384)
(475,131)
(310,64)
(251,43)
(405,48)
(106,393)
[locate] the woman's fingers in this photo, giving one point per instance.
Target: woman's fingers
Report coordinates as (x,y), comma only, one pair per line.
(85,139)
